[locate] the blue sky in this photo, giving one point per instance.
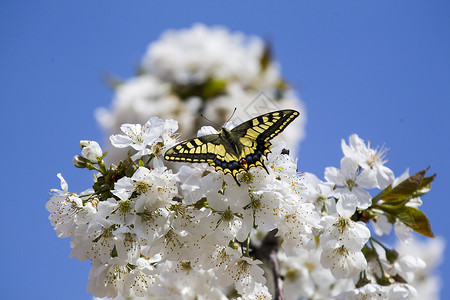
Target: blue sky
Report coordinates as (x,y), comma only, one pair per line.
(377,68)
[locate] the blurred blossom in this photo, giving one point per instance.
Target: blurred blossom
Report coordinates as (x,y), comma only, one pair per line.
(195,55)
(426,280)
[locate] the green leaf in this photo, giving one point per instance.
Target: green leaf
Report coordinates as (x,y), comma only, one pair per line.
(424,187)
(406,188)
(414,186)
(411,217)
(381,194)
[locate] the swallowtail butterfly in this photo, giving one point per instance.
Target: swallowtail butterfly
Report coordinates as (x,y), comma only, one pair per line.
(237,150)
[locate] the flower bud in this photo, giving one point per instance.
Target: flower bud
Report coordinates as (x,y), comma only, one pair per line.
(91,150)
(84,143)
(391,255)
(79,161)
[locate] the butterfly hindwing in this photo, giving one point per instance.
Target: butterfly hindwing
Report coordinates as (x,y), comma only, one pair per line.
(196,150)
(237,150)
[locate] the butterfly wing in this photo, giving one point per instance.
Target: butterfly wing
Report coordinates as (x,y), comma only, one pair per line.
(253,136)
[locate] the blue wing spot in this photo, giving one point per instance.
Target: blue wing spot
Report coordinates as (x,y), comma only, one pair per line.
(218,163)
(235,165)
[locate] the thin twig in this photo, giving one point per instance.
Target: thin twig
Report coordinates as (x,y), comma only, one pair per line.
(268,253)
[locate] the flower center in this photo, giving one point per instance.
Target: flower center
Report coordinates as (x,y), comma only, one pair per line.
(142,187)
(350,183)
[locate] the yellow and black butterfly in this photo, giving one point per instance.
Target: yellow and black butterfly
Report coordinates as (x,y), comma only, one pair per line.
(237,150)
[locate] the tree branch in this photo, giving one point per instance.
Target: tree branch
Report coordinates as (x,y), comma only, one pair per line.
(268,253)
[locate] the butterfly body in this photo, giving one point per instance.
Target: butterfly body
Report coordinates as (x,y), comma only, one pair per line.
(237,150)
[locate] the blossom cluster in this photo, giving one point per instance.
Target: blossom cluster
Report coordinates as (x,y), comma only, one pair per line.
(159,230)
(194,233)
(202,70)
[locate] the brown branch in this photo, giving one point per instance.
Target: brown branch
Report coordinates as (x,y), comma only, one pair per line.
(268,253)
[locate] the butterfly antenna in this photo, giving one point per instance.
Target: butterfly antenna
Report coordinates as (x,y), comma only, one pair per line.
(231,115)
(209,120)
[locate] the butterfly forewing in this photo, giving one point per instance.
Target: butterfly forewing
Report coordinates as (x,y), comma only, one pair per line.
(267,126)
(254,135)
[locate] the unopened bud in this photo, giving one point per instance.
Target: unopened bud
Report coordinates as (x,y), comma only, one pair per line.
(84,143)
(91,150)
(130,170)
(391,255)
(79,161)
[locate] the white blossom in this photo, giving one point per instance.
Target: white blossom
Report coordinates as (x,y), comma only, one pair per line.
(343,232)
(342,262)
(244,272)
(401,291)
(369,159)
(381,225)
(106,280)
(304,276)
(403,232)
(369,291)
(351,184)
(67,210)
(315,191)
(150,186)
(180,280)
(149,135)
(297,227)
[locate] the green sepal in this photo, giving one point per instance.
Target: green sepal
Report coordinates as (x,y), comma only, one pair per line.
(362,282)
(104,154)
(369,253)
(201,203)
(391,255)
